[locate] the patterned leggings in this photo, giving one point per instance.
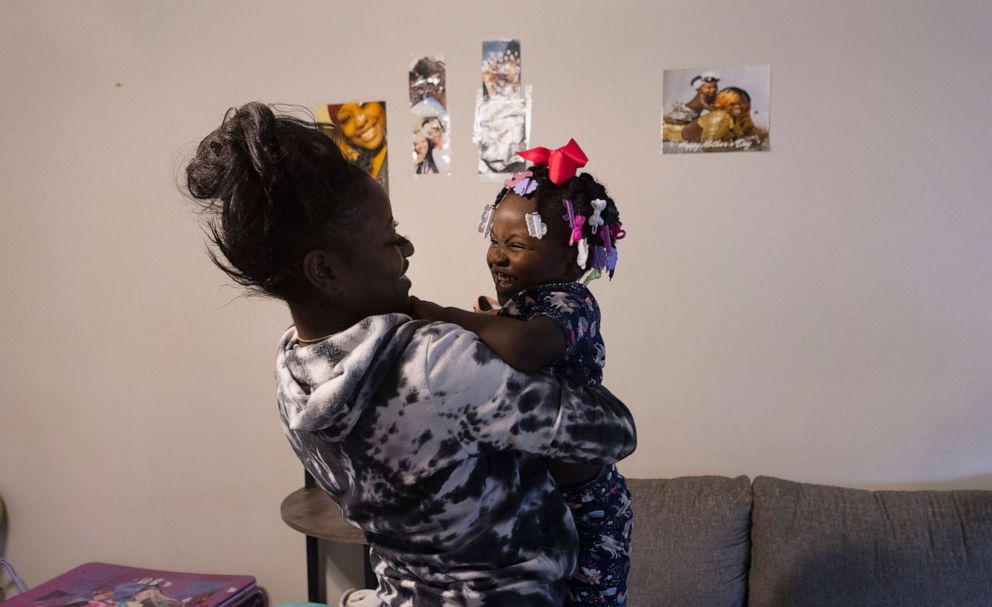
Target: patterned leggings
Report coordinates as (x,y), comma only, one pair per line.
(601,509)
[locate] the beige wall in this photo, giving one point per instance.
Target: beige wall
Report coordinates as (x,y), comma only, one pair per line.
(819,312)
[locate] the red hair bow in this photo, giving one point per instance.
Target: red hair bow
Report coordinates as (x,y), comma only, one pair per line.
(562,163)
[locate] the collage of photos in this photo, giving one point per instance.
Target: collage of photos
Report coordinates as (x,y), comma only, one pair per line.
(715,110)
(359,130)
(430,124)
(502,111)
(709,109)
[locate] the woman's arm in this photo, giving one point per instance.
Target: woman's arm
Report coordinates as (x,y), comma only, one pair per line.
(488,406)
(526,345)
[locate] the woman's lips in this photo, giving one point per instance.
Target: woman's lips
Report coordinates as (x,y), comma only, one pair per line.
(368,134)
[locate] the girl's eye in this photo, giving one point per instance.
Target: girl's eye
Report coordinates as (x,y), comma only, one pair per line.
(516,245)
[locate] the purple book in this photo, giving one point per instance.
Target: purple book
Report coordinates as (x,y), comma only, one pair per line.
(104,585)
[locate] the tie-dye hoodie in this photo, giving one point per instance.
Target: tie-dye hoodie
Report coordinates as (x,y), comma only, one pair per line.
(434,446)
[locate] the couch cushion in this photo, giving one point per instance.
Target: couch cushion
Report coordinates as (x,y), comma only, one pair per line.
(690,541)
(820,545)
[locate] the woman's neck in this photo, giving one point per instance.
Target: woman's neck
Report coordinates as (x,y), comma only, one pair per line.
(317,321)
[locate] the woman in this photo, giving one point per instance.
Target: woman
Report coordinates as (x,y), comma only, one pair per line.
(423,153)
(360,130)
(434,130)
(425,439)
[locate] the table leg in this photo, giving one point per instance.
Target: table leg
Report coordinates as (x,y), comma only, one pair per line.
(315,573)
(370,581)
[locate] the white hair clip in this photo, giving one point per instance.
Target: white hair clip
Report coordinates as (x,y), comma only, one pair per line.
(535,227)
(583,255)
(486,222)
(595,220)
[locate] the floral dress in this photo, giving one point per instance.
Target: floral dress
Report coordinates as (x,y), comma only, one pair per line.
(601,507)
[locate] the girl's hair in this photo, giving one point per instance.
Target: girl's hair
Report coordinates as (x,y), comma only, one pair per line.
(275,188)
(581,190)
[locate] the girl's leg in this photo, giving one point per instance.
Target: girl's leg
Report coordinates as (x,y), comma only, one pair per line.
(603,517)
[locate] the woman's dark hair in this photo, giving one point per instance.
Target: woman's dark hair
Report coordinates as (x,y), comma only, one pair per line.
(427,165)
(433,121)
(730,92)
(581,190)
(275,187)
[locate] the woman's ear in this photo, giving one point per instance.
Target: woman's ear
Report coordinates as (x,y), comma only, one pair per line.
(321,270)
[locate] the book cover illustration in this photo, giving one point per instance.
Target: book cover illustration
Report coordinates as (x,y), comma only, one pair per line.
(105,585)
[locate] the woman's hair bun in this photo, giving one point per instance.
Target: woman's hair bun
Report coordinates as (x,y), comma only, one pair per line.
(258,127)
(246,143)
(270,185)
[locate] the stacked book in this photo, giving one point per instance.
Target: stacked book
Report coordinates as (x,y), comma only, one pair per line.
(104,585)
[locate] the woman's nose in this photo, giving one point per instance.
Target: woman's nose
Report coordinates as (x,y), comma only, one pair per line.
(408,249)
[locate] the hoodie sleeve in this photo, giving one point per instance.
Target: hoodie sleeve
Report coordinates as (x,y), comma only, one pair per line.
(487,405)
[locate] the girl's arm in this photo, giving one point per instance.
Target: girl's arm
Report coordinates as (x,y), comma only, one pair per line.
(525,345)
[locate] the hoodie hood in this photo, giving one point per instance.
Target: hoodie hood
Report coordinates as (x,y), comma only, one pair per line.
(326,386)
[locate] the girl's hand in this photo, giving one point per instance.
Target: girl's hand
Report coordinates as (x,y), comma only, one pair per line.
(486,304)
(426,310)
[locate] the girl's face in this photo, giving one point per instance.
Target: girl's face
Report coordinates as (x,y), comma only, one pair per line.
(363,124)
(519,261)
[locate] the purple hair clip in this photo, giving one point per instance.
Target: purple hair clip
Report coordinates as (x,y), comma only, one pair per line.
(569,215)
(523,183)
(525,187)
(611,262)
(598,258)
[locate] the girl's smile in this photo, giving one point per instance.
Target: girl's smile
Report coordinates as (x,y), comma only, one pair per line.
(519,261)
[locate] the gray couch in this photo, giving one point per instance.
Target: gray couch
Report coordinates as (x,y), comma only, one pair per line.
(715,541)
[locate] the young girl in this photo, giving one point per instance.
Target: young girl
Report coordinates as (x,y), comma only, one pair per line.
(548,228)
